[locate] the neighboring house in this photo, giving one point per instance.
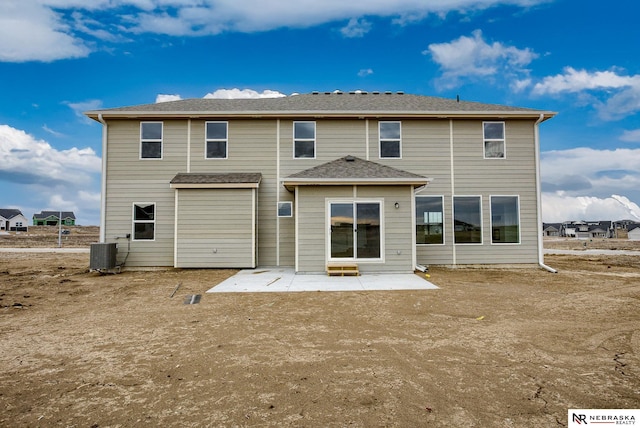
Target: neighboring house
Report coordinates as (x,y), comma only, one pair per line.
(633,232)
(13,220)
(384,180)
(552,229)
(51,218)
(588,229)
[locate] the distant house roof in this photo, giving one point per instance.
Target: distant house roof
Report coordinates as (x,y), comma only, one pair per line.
(351,170)
(556,226)
(219,180)
(9,213)
(328,104)
(56,214)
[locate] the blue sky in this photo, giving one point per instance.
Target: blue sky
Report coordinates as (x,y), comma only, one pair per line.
(59,58)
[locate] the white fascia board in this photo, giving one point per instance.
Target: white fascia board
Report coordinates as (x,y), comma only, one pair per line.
(322,114)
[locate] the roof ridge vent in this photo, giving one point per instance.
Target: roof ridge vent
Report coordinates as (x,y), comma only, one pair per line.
(388,92)
(350,158)
(315,93)
(400,92)
(376,92)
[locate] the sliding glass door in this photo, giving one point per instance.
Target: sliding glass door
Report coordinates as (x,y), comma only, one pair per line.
(355,230)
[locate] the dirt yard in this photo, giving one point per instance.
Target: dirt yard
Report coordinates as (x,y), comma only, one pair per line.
(490,348)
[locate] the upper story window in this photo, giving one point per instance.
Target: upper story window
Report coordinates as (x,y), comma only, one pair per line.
(150,140)
(304,140)
(390,140)
(216,140)
(494,145)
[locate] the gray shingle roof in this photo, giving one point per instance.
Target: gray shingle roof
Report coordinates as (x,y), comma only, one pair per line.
(217,178)
(9,213)
(334,103)
(45,214)
(351,169)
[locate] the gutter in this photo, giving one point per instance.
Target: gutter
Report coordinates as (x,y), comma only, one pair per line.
(536,138)
(103,186)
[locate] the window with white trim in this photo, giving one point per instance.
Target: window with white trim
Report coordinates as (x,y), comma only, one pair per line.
(216,140)
(285,209)
(390,140)
(151,140)
(429,220)
(304,140)
(494,141)
(505,220)
(467,219)
(144,221)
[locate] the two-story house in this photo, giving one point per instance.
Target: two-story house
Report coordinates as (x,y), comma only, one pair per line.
(385,180)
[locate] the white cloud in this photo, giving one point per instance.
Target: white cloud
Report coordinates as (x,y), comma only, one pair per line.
(51,131)
(365,72)
(243,93)
(26,160)
(163,98)
(615,96)
(32,32)
(80,107)
(356,28)
(578,183)
(632,136)
(604,172)
(573,80)
(47,30)
(559,207)
(474,57)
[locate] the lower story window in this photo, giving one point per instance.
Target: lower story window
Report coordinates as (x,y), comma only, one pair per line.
(144,222)
(505,220)
(467,219)
(429,223)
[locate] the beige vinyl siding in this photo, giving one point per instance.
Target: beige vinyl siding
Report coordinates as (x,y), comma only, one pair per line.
(133,180)
(514,175)
(313,227)
(121,196)
(397,227)
(215,228)
(251,148)
(312,224)
(425,151)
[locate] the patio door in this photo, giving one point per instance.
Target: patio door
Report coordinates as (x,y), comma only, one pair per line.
(355,230)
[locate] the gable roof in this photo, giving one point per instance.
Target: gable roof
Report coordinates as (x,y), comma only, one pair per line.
(350,170)
(328,104)
(216,180)
(45,214)
(9,213)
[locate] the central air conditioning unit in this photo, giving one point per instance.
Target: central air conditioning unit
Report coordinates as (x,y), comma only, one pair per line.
(103,256)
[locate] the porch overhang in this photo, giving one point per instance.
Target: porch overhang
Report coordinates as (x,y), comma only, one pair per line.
(353,171)
(237,180)
(291,184)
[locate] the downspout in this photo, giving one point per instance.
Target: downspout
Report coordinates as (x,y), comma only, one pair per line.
(536,138)
(103,185)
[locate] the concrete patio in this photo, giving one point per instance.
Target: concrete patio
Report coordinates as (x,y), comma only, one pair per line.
(261,280)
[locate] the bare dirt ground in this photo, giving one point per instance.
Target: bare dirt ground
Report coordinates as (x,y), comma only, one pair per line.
(47,237)
(490,348)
